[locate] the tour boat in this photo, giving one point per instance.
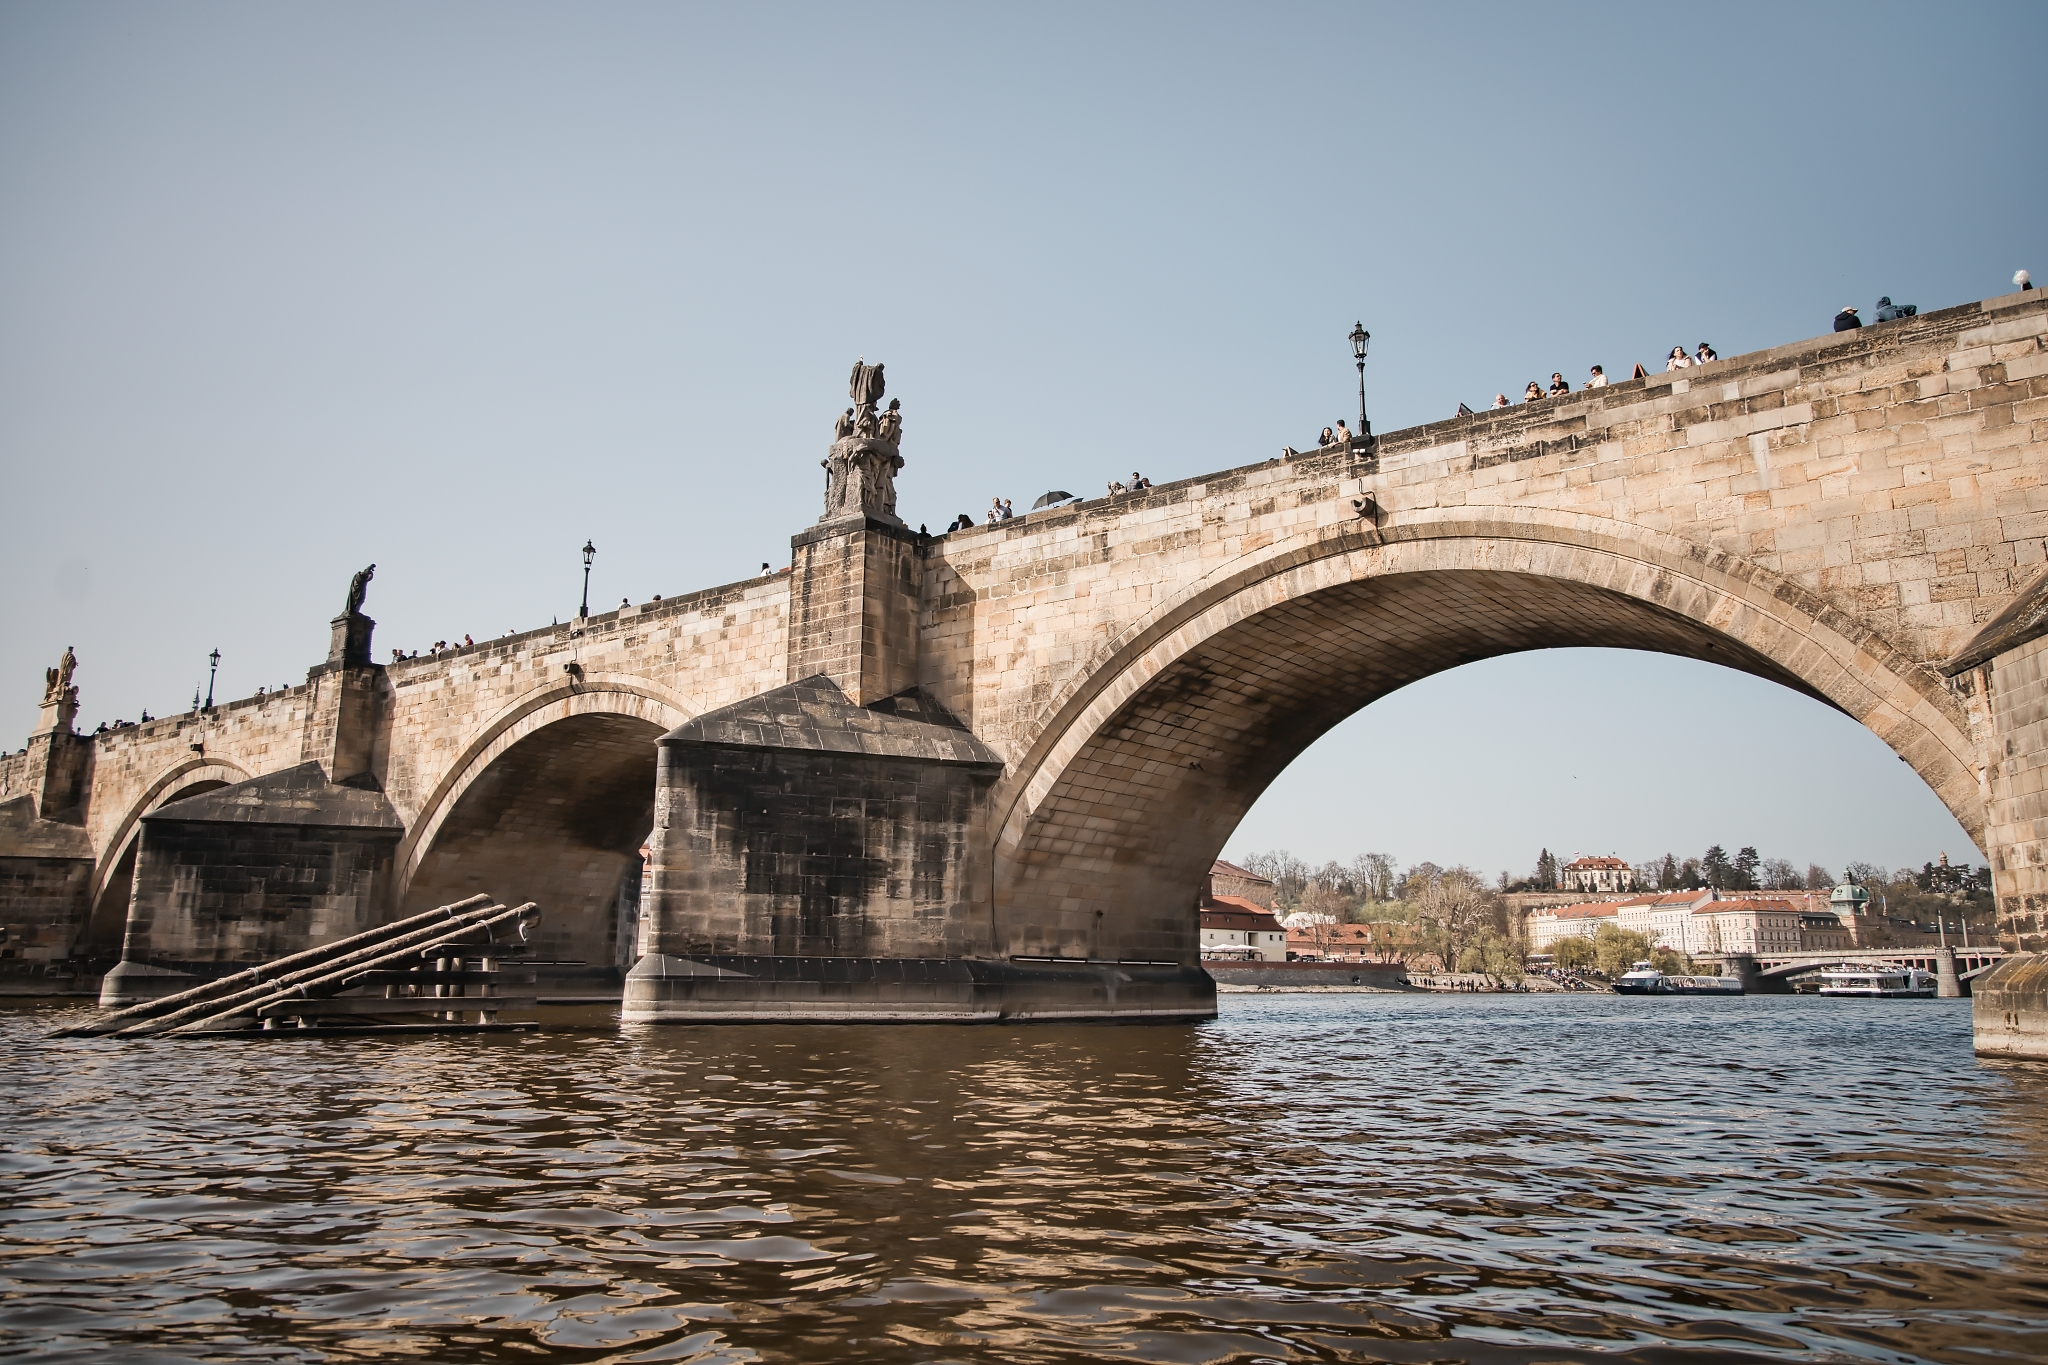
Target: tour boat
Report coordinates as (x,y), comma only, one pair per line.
(1706,985)
(1643,979)
(1880,979)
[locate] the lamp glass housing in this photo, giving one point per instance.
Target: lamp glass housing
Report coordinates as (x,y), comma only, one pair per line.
(589,553)
(1360,339)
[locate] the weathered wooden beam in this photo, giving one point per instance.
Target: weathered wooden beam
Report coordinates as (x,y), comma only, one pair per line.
(269,971)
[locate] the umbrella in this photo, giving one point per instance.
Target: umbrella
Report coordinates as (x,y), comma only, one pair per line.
(1050,498)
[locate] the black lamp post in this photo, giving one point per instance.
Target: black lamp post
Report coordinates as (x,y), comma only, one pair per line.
(1360,339)
(589,553)
(213,667)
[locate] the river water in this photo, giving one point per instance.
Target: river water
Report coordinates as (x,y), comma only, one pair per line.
(1496,1179)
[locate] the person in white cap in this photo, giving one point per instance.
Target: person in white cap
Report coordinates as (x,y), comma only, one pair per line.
(1846,320)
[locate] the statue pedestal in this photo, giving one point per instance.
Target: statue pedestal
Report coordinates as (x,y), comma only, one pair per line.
(57,713)
(350,646)
(861,480)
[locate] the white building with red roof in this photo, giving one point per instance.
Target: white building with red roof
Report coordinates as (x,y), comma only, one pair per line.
(1546,925)
(1592,874)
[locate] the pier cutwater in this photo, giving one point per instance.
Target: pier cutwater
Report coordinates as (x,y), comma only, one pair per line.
(980,775)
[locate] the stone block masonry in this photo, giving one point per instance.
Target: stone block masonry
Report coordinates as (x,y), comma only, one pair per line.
(1842,515)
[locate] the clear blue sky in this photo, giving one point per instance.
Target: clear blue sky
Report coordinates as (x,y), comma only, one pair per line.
(288,289)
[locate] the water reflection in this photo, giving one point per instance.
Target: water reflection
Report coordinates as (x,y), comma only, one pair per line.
(1309,1178)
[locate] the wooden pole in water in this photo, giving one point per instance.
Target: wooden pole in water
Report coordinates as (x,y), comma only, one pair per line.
(119,1019)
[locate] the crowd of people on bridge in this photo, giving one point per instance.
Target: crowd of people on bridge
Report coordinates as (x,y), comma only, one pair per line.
(1534,391)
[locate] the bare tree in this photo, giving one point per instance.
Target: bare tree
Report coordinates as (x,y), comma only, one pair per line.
(1288,873)
(1417,879)
(1454,907)
(1373,875)
(1818,878)
(1779,875)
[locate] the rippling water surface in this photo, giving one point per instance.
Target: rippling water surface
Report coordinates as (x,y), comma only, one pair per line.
(1311,1177)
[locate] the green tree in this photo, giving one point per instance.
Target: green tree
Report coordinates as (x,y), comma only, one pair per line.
(1494,953)
(1573,953)
(1667,875)
(1716,868)
(1615,949)
(1546,870)
(1670,962)
(1745,869)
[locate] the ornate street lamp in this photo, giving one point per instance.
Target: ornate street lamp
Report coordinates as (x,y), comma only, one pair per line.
(589,553)
(213,662)
(1360,339)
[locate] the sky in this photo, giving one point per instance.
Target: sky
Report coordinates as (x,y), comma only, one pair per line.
(286,290)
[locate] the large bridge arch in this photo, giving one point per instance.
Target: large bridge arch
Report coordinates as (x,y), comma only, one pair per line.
(549,802)
(1147,759)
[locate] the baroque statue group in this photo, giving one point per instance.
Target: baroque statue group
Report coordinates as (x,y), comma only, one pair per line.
(860,469)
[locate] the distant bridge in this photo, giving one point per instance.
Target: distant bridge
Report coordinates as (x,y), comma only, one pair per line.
(1969,961)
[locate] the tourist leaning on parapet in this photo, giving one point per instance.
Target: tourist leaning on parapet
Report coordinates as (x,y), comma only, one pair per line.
(1887,311)
(1500,400)
(1533,393)
(1598,379)
(1677,360)
(1846,320)
(1704,354)
(1557,384)
(1343,437)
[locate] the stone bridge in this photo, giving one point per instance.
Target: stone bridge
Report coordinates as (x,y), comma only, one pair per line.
(981,774)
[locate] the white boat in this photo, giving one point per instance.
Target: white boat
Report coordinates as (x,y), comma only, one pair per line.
(1878,979)
(1643,979)
(1705,985)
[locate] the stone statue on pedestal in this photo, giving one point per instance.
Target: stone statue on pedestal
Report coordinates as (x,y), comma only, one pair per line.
(860,469)
(57,680)
(350,647)
(358,588)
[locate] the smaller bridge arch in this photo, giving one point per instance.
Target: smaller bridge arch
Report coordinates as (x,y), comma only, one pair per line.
(114,871)
(549,802)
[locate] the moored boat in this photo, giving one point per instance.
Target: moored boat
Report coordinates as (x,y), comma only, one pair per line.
(1881,979)
(1643,979)
(1705,985)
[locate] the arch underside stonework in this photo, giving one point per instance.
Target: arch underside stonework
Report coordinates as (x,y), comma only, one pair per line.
(1149,761)
(550,804)
(114,875)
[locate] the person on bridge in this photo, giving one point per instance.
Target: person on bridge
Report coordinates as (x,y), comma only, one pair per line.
(1846,320)
(1598,379)
(1500,400)
(1677,360)
(1342,438)
(1704,354)
(1557,384)
(1532,393)
(1327,439)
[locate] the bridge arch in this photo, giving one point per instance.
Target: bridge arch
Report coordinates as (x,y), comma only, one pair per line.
(113,873)
(1143,764)
(549,802)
